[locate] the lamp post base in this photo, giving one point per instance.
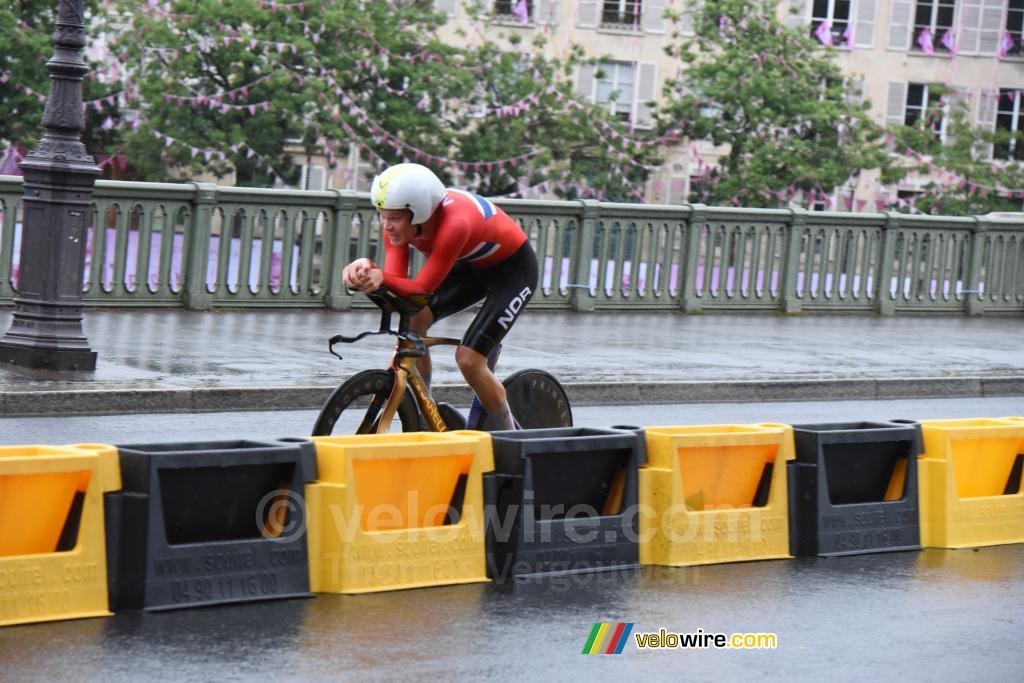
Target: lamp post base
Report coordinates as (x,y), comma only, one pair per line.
(43,338)
(40,358)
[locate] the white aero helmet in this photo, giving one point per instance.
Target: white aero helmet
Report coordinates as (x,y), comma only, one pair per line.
(408,186)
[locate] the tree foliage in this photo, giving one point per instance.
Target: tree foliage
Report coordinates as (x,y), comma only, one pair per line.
(777,104)
(26,44)
(962,179)
(225,86)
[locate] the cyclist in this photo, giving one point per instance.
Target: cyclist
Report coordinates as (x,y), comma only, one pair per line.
(474,251)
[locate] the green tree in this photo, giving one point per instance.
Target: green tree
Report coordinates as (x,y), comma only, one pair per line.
(529,102)
(961,179)
(26,44)
(774,100)
(234,85)
(227,85)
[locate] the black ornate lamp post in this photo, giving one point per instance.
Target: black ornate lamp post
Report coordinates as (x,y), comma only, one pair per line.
(46,330)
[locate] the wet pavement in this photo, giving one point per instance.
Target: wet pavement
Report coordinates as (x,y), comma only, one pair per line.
(214,426)
(173,360)
(930,615)
(942,615)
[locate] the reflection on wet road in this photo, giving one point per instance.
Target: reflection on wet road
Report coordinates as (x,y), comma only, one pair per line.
(932,614)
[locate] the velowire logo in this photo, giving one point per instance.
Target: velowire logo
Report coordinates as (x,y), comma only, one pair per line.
(607,638)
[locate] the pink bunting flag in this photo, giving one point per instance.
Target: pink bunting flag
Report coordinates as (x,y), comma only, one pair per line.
(925,41)
(824,33)
(522,11)
(11,161)
(949,41)
(1005,45)
(848,35)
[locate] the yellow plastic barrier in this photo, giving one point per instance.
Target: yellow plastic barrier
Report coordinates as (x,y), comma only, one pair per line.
(703,495)
(970,489)
(47,572)
(380,517)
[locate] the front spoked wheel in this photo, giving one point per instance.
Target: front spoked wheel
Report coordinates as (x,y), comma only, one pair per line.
(537,400)
(355,407)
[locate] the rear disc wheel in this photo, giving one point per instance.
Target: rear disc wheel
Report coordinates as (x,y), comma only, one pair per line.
(537,401)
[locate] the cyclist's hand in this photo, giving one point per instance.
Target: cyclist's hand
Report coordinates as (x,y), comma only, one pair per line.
(373,281)
(354,274)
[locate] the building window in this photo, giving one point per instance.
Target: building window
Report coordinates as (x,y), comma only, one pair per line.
(1010,118)
(615,82)
(512,10)
(621,14)
(908,198)
(1015,28)
(924,103)
(830,21)
(933,19)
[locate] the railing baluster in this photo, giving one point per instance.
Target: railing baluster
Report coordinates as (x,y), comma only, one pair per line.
(647,257)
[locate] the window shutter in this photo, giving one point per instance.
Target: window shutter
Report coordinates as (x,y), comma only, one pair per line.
(585,81)
(991,26)
(799,13)
(546,12)
(646,93)
(901,16)
(678,189)
(447,6)
(970,25)
(988,105)
(896,103)
(586,14)
(653,16)
(864,24)
(855,90)
(686,17)
(957,98)
(362,168)
(315,179)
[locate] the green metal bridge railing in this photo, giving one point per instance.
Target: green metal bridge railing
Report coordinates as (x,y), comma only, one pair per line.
(201,246)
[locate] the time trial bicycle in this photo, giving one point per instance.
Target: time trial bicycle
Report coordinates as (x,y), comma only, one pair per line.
(377,401)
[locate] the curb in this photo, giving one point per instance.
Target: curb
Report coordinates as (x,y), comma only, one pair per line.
(114,402)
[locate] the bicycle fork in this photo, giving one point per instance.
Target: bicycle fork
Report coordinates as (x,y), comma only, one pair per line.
(406,377)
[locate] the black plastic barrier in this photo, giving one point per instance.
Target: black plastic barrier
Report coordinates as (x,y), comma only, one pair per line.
(210,523)
(562,500)
(853,488)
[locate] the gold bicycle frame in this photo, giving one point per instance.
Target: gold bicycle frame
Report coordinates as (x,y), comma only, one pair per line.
(407,376)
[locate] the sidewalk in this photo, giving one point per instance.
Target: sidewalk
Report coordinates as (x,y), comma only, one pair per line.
(179,361)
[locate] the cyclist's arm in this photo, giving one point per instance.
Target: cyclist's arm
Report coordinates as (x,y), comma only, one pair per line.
(448,245)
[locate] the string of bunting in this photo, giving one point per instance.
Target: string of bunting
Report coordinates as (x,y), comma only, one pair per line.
(283,6)
(5,76)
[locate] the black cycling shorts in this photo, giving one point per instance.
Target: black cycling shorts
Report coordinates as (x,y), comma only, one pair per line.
(505,289)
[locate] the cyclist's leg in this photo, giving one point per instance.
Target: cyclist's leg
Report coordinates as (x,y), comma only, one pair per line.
(458,291)
(477,414)
(510,286)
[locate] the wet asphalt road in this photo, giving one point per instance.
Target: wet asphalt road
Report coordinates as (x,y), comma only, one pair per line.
(930,615)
